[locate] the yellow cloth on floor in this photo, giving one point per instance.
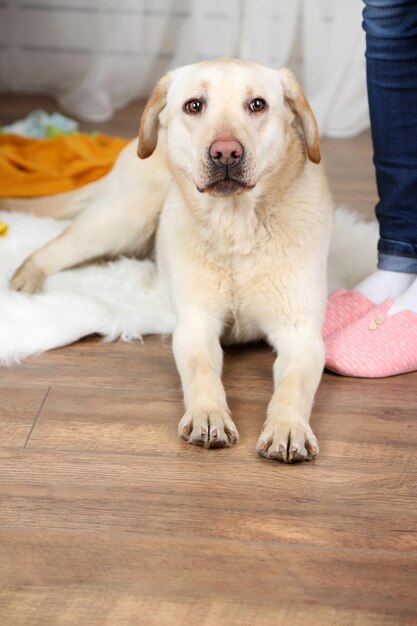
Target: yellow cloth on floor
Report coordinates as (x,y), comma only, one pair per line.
(37,167)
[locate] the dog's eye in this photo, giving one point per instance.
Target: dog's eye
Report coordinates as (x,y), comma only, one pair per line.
(193,106)
(257,105)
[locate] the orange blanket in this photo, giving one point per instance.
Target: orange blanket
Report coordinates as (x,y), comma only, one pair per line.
(37,167)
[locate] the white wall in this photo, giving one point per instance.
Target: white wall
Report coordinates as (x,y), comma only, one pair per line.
(96,55)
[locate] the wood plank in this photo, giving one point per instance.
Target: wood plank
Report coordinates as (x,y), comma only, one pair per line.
(143,366)
(187,496)
(127,420)
(207,571)
(122,365)
(80,604)
(136,419)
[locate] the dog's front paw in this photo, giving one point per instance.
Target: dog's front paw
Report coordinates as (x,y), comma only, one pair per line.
(287,441)
(208,428)
(28,278)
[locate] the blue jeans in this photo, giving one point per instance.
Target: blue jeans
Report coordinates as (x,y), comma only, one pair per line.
(391,63)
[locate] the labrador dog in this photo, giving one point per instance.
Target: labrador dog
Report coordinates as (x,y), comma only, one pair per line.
(230,195)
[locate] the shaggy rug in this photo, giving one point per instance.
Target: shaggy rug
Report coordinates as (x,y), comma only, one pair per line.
(122,299)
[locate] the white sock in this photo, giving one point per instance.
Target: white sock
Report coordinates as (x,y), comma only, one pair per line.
(384,284)
(407,300)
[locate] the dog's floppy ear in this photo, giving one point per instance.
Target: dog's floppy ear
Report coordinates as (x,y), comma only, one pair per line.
(149,123)
(297,101)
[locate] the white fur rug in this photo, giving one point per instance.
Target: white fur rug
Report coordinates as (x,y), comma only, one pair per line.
(122,299)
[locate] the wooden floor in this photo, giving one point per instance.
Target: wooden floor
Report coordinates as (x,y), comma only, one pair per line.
(108,519)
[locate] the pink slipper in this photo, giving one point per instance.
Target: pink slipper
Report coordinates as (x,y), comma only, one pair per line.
(343,308)
(375,346)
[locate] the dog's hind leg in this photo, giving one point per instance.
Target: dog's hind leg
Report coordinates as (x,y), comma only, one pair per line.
(61,206)
(107,228)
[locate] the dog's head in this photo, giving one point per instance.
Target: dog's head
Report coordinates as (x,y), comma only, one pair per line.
(226,122)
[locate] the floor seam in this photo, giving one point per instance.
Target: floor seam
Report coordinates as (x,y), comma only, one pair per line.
(37,415)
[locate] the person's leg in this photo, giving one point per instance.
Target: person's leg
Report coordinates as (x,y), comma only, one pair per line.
(382,339)
(391,58)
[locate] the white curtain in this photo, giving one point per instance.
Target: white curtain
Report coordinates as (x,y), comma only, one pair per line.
(97,55)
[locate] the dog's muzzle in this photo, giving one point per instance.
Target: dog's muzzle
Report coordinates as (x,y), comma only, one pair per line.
(225,169)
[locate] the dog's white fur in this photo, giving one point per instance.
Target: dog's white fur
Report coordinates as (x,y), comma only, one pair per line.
(241,263)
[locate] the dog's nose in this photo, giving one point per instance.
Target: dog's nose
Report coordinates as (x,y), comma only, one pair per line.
(226,151)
